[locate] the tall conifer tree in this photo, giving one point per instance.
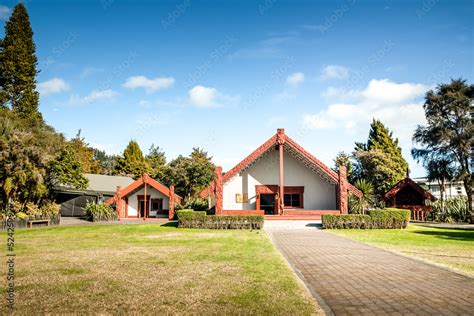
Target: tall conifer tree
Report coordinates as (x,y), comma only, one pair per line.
(18,66)
(133,163)
(380,160)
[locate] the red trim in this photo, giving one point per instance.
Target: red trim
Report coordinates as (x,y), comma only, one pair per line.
(126,206)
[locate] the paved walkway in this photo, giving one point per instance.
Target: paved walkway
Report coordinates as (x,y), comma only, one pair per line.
(350,278)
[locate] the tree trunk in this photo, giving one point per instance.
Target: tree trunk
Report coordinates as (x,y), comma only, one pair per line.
(468,187)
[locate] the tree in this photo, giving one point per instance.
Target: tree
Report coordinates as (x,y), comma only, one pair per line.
(345,160)
(26,149)
(449,132)
(107,162)
(67,170)
(190,174)
(133,162)
(18,66)
(156,159)
(380,160)
(440,170)
(84,154)
(360,205)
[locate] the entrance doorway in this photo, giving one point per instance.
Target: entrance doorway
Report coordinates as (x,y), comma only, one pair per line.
(141,209)
(267,203)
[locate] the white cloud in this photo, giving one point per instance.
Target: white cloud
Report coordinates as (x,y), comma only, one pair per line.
(203,96)
(5,12)
(295,79)
(51,86)
(95,95)
(150,85)
(334,72)
(398,105)
(88,71)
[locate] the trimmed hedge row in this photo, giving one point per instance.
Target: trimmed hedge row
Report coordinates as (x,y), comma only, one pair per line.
(389,218)
(192,219)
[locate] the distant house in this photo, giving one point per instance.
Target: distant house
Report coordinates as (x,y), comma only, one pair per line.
(407,194)
(280,178)
(144,198)
(100,188)
(451,188)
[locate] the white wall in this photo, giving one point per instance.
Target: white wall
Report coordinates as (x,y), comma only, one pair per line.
(318,193)
(154,194)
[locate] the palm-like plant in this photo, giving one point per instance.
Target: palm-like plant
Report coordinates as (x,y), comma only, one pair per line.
(359,206)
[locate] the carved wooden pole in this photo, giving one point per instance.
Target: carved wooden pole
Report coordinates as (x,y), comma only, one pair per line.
(118,203)
(343,207)
(171,203)
(281,141)
(144,202)
(219,190)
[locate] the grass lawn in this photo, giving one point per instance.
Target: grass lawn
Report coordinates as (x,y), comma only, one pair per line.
(152,269)
(453,248)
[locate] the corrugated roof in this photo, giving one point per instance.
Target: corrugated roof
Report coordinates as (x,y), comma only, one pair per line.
(103,183)
(99,183)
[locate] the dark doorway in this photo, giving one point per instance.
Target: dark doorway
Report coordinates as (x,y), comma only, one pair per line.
(267,203)
(141,208)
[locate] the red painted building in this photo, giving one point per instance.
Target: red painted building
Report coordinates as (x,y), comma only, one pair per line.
(280,178)
(407,194)
(145,198)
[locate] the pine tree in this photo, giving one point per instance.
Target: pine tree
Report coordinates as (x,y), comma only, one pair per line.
(157,161)
(380,160)
(133,163)
(345,160)
(18,66)
(85,155)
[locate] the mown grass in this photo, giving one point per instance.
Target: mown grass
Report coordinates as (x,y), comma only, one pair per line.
(152,269)
(453,248)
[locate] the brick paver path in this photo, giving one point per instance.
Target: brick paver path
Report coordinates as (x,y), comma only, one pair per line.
(348,277)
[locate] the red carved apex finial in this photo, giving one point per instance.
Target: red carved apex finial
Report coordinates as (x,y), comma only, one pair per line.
(281,136)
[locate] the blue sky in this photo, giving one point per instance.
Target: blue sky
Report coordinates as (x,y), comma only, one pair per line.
(224,75)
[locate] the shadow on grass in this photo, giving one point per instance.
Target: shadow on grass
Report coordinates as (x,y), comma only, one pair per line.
(170,224)
(455,234)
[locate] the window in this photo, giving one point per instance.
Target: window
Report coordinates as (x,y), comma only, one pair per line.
(156,204)
(292,200)
(293,197)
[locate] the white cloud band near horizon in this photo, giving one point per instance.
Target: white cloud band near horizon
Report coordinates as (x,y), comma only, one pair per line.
(150,85)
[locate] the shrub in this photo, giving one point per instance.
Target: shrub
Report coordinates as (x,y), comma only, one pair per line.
(386,219)
(454,209)
(99,212)
(199,219)
(21,215)
(197,204)
(390,218)
(349,221)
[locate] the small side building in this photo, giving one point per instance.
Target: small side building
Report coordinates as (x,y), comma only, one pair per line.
(100,188)
(407,194)
(144,198)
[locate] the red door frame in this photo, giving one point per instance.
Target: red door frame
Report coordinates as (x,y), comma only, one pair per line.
(266,189)
(147,208)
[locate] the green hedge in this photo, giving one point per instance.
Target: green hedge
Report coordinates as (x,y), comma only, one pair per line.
(347,221)
(388,218)
(192,219)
